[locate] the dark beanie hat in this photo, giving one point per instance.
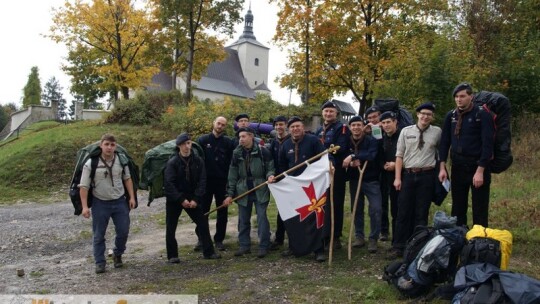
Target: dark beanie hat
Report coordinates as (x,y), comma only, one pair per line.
(279,118)
(372,109)
(247,129)
(240,116)
(428,106)
(355,119)
(293,120)
(388,114)
(460,87)
(182,138)
(329,104)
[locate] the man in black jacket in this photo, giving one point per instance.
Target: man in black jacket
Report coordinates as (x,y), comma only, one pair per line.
(185,182)
(218,152)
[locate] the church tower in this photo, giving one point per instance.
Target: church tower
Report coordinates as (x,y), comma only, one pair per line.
(253,56)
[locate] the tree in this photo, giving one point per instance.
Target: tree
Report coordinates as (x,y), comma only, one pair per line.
(4,117)
(51,91)
(32,89)
(116,34)
(185,24)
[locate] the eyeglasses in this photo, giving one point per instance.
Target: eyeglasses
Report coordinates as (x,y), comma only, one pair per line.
(425,114)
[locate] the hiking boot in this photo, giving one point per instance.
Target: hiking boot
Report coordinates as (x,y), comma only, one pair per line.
(198,247)
(384,237)
(394,254)
(320,257)
(220,246)
(174,261)
(275,245)
(359,242)
(117,259)
(242,251)
(213,256)
(372,246)
(100,268)
(286,253)
(262,253)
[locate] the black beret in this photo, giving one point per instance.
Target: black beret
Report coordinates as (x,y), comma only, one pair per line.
(240,116)
(388,114)
(279,118)
(460,87)
(329,104)
(293,120)
(355,119)
(428,106)
(247,129)
(182,138)
(372,109)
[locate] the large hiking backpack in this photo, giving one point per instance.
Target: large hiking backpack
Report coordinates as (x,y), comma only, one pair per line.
(488,292)
(404,117)
(92,152)
(155,160)
(498,106)
(417,241)
(486,245)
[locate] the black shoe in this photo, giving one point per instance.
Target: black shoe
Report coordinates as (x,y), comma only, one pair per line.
(242,251)
(220,246)
(174,261)
(394,254)
(100,268)
(320,257)
(213,256)
(262,253)
(275,245)
(117,259)
(198,247)
(384,237)
(286,253)
(337,244)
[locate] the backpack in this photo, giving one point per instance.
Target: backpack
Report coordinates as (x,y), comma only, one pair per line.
(486,245)
(92,152)
(404,117)
(489,292)
(155,161)
(499,107)
(417,241)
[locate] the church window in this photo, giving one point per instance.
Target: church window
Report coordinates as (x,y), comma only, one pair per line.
(257,61)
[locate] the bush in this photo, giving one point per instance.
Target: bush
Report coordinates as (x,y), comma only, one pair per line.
(145,108)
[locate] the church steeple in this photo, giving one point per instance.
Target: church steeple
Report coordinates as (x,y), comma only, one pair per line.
(248,25)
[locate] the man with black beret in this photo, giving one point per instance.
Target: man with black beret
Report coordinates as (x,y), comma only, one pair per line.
(280,127)
(415,175)
(242,121)
(334,132)
(468,133)
(364,148)
(185,184)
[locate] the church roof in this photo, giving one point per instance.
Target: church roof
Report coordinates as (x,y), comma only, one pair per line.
(262,87)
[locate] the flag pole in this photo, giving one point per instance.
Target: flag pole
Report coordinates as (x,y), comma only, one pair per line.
(331,245)
(333,149)
(355,204)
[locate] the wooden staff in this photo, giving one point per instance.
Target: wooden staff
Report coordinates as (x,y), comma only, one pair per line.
(331,245)
(333,149)
(355,204)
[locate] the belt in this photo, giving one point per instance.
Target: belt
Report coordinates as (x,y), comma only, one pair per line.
(417,170)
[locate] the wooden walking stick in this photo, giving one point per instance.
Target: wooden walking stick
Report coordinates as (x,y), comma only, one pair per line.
(333,149)
(355,204)
(331,245)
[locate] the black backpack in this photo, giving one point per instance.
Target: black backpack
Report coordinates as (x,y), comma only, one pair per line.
(417,241)
(92,152)
(404,117)
(489,292)
(481,250)
(499,107)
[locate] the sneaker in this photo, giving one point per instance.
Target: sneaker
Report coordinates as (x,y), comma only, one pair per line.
(100,268)
(372,246)
(394,254)
(198,247)
(320,257)
(359,242)
(286,253)
(262,253)
(174,261)
(242,251)
(275,245)
(213,256)
(117,259)
(220,246)
(384,237)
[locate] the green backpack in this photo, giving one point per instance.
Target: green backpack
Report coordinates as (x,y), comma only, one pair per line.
(92,152)
(153,167)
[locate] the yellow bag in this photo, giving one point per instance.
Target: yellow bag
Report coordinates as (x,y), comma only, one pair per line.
(503,236)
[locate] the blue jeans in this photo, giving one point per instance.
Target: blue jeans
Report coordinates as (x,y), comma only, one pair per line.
(372,190)
(102,211)
(244,225)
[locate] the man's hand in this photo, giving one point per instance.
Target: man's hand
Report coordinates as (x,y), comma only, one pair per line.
(478,179)
(228,201)
(390,166)
(86,212)
(193,204)
(443,175)
(185,204)
(347,161)
(397,184)
(132,203)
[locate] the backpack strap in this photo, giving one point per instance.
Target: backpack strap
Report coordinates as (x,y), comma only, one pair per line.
(93,166)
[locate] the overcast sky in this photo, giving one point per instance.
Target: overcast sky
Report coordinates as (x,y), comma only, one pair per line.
(23,22)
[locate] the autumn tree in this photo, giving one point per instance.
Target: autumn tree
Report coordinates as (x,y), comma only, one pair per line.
(32,89)
(4,117)
(186,25)
(115,33)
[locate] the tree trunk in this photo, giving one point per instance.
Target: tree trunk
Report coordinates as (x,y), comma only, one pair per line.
(189,74)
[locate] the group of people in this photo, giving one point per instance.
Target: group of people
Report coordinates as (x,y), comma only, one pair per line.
(402,167)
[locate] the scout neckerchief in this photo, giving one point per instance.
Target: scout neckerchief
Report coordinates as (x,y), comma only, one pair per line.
(421,138)
(109,168)
(460,114)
